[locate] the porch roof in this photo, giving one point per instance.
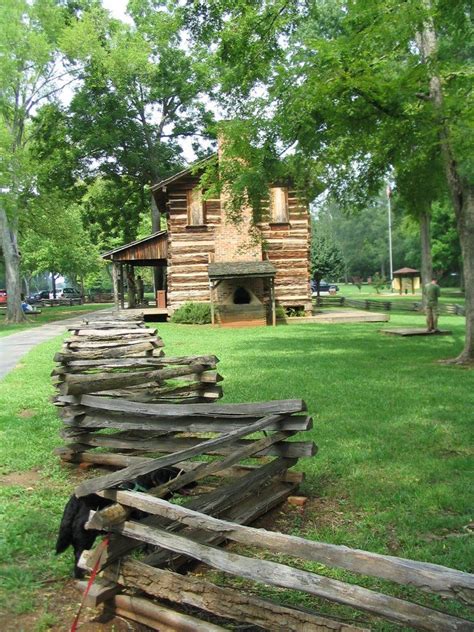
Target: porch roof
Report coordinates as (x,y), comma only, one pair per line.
(148,251)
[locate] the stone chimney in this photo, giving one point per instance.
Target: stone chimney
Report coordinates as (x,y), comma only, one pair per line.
(234,242)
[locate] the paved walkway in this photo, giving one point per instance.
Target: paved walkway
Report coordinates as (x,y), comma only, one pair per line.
(15,346)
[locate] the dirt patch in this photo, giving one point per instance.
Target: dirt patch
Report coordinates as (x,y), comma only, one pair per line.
(326,512)
(27,479)
(57,607)
(26,413)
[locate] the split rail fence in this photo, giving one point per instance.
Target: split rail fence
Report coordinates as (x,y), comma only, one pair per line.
(386,306)
(119,357)
(235,461)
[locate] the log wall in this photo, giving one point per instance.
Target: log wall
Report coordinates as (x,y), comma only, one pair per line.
(191,248)
(288,249)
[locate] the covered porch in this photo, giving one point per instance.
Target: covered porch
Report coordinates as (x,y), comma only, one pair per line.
(152,252)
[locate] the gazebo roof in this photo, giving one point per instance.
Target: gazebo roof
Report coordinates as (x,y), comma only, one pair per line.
(248,269)
(406,272)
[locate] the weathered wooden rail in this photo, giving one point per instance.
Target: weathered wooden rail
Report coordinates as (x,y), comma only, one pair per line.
(386,306)
(236,462)
(122,357)
(192,532)
(118,357)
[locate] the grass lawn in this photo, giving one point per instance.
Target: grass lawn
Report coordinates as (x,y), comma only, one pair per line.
(394,430)
(48,314)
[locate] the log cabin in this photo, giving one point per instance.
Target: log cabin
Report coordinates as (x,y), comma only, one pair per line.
(244,274)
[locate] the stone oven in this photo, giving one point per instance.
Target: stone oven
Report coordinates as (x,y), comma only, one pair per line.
(242,293)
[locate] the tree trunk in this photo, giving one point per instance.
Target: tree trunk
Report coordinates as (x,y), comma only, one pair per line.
(462,195)
(53,284)
(11,256)
(462,191)
(465,222)
(26,282)
(426,258)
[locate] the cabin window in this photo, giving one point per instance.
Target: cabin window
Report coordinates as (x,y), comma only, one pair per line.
(279,205)
(196,207)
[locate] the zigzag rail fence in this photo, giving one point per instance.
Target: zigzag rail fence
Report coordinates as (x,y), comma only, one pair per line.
(122,409)
(386,306)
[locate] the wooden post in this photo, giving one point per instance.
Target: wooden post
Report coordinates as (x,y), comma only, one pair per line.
(122,301)
(272,295)
(211,292)
(115,274)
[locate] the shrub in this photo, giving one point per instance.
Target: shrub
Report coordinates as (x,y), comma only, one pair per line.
(295,312)
(280,312)
(192,314)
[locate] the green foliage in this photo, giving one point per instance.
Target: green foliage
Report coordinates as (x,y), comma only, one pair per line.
(379,282)
(363,236)
(58,241)
(280,312)
(140,93)
(327,260)
(295,312)
(445,239)
(192,314)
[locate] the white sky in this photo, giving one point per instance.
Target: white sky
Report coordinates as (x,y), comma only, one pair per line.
(117,8)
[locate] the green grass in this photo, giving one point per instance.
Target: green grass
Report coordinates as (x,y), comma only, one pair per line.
(394,430)
(49,314)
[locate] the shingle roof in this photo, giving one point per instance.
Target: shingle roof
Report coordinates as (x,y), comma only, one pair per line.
(406,271)
(233,269)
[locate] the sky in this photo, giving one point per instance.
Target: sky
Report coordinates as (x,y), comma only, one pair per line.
(117,8)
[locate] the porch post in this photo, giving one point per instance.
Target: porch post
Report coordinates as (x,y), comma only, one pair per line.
(272,294)
(122,302)
(115,273)
(211,291)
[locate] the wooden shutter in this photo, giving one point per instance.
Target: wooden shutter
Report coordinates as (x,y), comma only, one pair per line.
(279,205)
(195,207)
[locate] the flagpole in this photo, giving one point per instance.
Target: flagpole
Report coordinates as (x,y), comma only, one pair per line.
(389,205)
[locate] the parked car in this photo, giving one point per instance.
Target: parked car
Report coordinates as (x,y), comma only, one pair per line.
(324,287)
(3,297)
(37,297)
(70,292)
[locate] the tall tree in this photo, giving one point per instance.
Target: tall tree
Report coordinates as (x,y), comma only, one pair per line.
(142,92)
(355,89)
(31,72)
(327,260)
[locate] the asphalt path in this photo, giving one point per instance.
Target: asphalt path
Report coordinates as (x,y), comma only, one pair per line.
(14,346)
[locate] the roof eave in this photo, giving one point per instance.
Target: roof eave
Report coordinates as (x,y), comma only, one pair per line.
(110,253)
(181,174)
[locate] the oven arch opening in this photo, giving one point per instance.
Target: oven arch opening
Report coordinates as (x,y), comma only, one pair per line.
(241,296)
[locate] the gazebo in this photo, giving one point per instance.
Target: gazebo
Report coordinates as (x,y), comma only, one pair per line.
(406,279)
